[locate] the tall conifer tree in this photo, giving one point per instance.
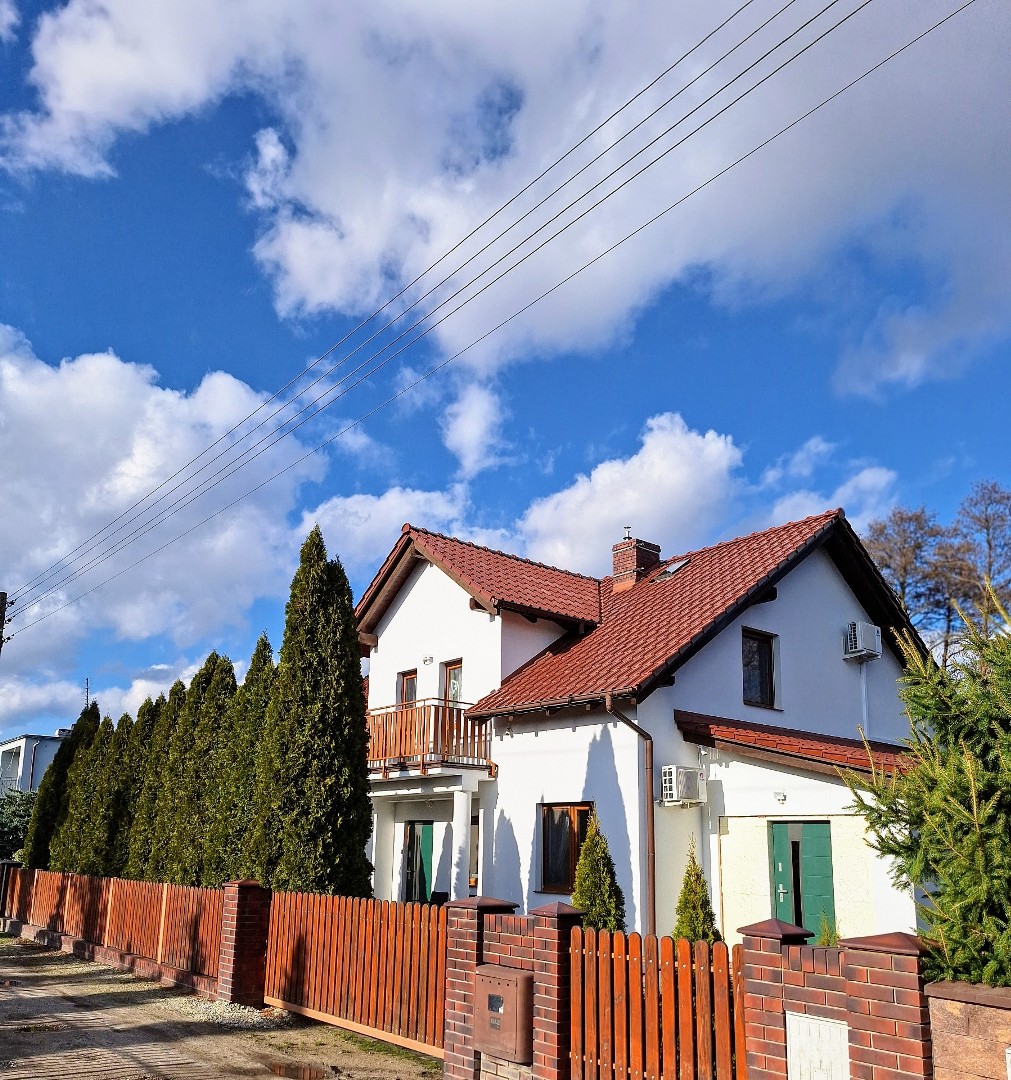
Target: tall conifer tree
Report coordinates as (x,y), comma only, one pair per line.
(315,815)
(51,803)
(232,813)
(148,831)
(119,788)
(80,842)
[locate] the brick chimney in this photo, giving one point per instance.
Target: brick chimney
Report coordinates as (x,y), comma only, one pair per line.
(633,560)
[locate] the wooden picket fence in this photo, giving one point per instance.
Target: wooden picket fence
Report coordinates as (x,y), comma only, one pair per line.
(648,1008)
(372,966)
(173,925)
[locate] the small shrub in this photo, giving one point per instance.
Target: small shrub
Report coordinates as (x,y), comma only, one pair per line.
(696,919)
(596,890)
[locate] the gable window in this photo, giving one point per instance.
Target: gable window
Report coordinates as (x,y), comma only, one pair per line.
(563,830)
(759,674)
(407,687)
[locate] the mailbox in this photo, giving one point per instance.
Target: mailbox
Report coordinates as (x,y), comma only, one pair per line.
(504,1013)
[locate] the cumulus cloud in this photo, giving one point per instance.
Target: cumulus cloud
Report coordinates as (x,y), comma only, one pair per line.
(472,429)
(399,128)
(674,490)
(91,436)
(865,496)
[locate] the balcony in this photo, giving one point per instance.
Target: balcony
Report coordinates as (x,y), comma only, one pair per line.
(425,734)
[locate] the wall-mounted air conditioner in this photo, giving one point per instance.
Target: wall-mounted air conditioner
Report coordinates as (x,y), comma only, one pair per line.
(863,642)
(682,785)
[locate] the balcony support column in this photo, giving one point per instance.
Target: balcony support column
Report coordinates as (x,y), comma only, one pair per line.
(460,888)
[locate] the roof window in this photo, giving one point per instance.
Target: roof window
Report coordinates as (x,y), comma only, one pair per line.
(670,571)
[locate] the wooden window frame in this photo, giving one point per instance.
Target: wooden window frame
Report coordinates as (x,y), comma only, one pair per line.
(402,678)
(574,810)
(767,642)
(447,667)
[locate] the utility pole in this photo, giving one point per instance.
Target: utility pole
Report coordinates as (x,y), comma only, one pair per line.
(3,619)
(87,691)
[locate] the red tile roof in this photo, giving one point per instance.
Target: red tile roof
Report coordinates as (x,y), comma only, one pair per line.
(646,628)
(495,579)
(825,752)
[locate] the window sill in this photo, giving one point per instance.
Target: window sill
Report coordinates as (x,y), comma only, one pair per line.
(767,708)
(554,892)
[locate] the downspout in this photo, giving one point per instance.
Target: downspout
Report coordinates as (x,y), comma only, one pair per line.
(647,740)
(31,772)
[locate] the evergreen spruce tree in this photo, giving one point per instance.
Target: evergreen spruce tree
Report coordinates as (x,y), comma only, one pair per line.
(696,919)
(313,806)
(146,857)
(80,842)
(50,808)
(596,890)
(120,783)
(139,750)
(231,813)
(944,818)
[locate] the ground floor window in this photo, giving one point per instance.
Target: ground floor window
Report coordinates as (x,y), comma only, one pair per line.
(800,873)
(563,830)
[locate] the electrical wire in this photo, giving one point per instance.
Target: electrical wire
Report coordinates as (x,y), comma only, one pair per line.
(439,367)
(212,481)
(331,392)
(403,291)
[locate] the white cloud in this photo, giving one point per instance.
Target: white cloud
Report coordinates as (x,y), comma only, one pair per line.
(675,490)
(400,127)
(82,442)
(801,463)
(866,495)
(9,19)
(472,429)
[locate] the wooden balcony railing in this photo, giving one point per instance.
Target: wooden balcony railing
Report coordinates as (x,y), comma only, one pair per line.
(427,733)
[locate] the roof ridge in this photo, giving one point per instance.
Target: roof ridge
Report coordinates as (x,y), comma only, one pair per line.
(826,515)
(408,527)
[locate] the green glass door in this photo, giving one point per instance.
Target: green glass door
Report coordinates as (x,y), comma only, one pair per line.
(418,862)
(800,873)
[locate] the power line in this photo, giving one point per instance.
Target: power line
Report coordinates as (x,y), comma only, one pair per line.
(238,463)
(439,367)
(332,394)
(403,291)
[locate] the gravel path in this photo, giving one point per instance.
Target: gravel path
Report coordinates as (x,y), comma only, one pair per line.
(64,1017)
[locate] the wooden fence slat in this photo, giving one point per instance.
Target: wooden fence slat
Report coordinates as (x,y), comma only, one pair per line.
(686,1017)
(576,938)
(723,1031)
(620,1007)
(651,972)
(740,1029)
(590,975)
(605,965)
(636,1020)
(668,1009)
(703,1010)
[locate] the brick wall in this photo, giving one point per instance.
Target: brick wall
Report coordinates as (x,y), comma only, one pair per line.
(872,984)
(971,1027)
(485,931)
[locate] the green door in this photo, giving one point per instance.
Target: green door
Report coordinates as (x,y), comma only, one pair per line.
(800,873)
(418,860)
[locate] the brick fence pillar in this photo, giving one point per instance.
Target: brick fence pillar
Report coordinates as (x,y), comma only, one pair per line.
(764,1018)
(553,925)
(465,948)
(242,961)
(6,866)
(889,1016)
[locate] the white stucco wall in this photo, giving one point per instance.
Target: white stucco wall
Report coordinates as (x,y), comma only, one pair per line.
(742,796)
(431,616)
(819,691)
(523,639)
(26,759)
(572,759)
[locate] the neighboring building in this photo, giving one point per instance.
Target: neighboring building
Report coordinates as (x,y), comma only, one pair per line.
(24,760)
(507,698)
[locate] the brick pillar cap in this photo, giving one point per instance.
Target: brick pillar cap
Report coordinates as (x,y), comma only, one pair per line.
(776,928)
(244,883)
(10,862)
(899,944)
(483,903)
(558,910)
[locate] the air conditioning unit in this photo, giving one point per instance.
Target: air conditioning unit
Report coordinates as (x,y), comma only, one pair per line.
(682,785)
(863,642)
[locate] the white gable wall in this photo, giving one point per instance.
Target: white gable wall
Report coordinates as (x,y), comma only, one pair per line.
(818,690)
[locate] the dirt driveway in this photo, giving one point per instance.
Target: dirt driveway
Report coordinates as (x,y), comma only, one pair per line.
(64,1017)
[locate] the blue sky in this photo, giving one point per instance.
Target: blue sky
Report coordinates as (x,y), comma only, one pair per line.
(197,202)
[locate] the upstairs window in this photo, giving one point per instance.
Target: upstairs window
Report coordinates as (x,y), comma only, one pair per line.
(453,682)
(407,687)
(563,830)
(759,674)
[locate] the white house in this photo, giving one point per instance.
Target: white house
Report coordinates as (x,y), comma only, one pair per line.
(507,698)
(24,760)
